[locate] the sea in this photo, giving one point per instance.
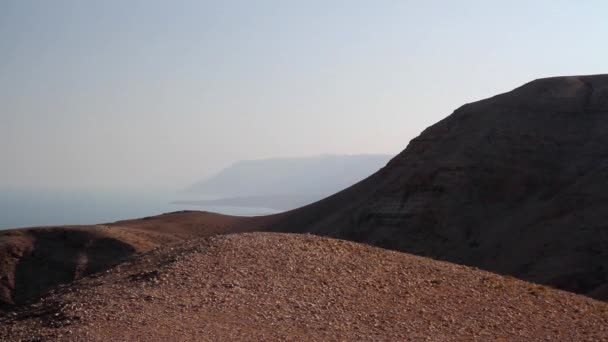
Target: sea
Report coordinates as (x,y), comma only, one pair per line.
(30,208)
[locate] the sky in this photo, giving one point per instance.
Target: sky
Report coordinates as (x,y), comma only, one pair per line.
(159,94)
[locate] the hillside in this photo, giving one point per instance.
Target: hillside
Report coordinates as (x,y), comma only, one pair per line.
(261,286)
(515,184)
(35,260)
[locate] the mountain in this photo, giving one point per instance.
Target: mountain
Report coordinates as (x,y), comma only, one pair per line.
(301,180)
(516,184)
(274,202)
(282,287)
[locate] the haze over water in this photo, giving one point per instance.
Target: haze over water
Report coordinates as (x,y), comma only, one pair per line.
(26,208)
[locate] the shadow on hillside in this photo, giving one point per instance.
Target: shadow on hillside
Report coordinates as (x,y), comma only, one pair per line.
(60,256)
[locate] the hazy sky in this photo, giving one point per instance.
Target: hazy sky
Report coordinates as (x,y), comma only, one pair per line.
(161,93)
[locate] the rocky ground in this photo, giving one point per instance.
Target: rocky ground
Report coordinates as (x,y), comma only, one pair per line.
(35,260)
(270,286)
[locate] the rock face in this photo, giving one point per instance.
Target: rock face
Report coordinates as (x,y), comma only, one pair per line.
(516,184)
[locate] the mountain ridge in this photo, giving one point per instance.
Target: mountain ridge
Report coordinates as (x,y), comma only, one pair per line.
(514,184)
(521,171)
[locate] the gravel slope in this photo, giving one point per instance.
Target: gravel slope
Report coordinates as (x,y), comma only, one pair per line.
(35,260)
(271,286)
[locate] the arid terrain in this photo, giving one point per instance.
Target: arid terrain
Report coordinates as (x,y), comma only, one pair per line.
(34,260)
(269,286)
(515,185)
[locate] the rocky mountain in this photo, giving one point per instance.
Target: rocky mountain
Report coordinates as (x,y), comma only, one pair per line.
(516,184)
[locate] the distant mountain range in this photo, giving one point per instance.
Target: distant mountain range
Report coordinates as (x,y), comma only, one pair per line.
(284,183)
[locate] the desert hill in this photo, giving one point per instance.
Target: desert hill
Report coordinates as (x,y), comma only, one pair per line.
(268,286)
(515,184)
(34,260)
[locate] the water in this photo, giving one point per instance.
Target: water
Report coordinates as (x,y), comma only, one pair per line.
(27,208)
